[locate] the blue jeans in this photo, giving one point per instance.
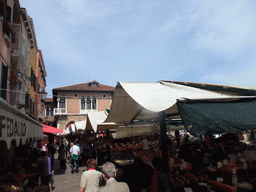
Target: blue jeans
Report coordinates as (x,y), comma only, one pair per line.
(73,162)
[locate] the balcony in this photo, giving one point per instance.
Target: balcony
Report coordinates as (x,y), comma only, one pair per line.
(59,111)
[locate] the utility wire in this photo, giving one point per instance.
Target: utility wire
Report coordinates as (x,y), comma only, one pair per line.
(22,92)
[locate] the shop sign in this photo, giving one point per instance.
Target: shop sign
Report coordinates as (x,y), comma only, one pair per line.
(14,125)
(11,127)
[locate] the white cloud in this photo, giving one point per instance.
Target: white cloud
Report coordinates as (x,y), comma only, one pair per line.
(218,27)
(169,25)
(80,12)
(111,39)
(227,28)
(240,75)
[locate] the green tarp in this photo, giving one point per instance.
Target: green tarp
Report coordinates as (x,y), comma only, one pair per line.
(218,116)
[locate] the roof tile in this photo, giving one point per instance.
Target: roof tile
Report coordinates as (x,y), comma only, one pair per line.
(87,87)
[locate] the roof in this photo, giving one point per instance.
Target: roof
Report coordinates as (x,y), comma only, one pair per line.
(49,100)
(227,89)
(86,87)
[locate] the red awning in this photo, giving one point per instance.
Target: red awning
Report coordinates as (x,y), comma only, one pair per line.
(50,129)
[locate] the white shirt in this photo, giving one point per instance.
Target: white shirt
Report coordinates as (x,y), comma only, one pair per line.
(74,150)
(44,148)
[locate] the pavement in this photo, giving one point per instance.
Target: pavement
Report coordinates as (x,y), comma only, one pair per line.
(64,180)
(136,176)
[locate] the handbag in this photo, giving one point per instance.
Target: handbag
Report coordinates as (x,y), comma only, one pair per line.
(75,157)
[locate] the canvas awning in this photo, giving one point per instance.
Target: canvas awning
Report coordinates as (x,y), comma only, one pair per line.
(219,115)
(144,101)
(140,130)
(80,126)
(50,129)
(14,125)
(96,122)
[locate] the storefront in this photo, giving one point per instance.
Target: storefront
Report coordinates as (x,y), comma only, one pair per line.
(18,134)
(17,127)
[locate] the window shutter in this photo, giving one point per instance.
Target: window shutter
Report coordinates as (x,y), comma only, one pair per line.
(4,81)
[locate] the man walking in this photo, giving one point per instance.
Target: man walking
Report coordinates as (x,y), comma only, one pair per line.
(109,174)
(75,156)
(90,179)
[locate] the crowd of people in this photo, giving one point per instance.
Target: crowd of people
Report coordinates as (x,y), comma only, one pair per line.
(79,152)
(91,179)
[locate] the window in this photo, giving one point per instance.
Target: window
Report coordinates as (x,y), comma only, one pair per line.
(88,103)
(62,103)
(3,81)
(8,18)
(94,85)
(49,111)
(82,103)
(104,96)
(93,103)
(33,79)
(75,95)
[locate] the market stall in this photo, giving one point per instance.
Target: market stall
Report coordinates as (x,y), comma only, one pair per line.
(235,172)
(136,103)
(218,115)
(153,102)
(18,133)
(50,129)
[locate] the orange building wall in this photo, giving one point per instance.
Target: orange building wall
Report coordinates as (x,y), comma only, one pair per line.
(73,103)
(104,104)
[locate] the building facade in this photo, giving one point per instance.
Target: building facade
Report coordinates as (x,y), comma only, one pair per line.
(22,71)
(7,37)
(17,46)
(40,88)
(49,117)
(74,102)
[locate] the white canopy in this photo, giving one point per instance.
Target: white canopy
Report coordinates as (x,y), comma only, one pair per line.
(65,132)
(144,101)
(71,129)
(140,130)
(80,126)
(14,125)
(96,121)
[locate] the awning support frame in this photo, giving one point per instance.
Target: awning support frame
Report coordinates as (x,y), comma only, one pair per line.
(164,140)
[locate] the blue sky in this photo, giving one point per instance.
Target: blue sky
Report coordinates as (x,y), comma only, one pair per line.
(111,41)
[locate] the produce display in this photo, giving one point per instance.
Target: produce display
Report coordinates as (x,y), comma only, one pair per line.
(13,182)
(227,176)
(221,186)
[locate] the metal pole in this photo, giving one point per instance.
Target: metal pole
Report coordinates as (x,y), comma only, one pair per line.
(164,141)
(108,145)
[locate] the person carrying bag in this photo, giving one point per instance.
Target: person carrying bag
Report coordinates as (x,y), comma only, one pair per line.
(75,156)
